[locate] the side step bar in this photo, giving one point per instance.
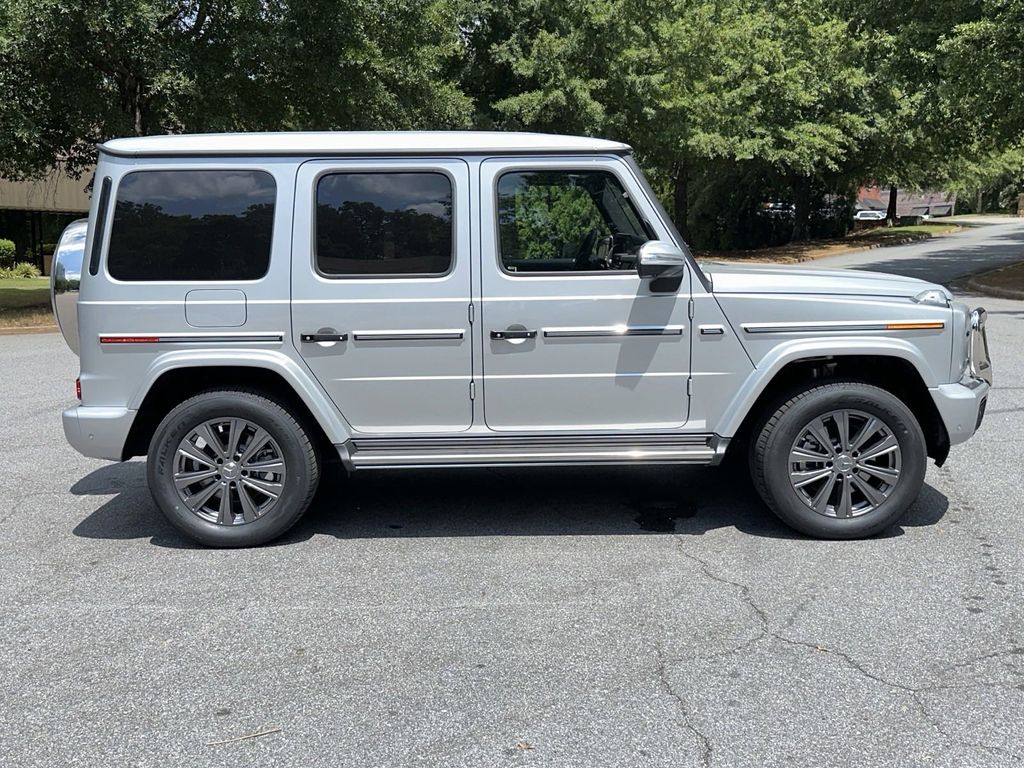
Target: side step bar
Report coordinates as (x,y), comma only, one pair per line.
(499,451)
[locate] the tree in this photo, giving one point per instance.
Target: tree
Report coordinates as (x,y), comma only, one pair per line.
(979,66)
(77,72)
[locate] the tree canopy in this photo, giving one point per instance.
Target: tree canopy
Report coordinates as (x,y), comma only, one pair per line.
(738,109)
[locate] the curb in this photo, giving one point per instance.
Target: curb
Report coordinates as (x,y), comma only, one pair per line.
(874,246)
(814,257)
(28,329)
(994,290)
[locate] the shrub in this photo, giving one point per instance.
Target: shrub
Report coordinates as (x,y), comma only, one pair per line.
(6,273)
(6,254)
(25,269)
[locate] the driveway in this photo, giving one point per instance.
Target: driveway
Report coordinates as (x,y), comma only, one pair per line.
(605,617)
(985,244)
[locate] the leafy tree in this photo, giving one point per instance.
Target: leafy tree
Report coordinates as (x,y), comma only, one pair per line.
(76,72)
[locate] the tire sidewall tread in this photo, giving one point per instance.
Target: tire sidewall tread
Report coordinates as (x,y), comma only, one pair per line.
(299,451)
(791,414)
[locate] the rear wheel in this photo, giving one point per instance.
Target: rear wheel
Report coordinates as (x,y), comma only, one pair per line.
(840,461)
(230,468)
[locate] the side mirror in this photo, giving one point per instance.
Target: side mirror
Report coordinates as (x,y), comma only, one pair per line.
(659,259)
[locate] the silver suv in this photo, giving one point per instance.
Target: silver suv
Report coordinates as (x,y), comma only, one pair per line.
(247,306)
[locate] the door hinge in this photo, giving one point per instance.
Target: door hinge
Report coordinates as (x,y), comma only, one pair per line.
(471,313)
(689,387)
(690,309)
(472,390)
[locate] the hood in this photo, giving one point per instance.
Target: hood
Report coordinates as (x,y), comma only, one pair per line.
(772,278)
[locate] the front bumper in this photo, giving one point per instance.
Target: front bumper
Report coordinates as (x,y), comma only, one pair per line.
(98,432)
(961,406)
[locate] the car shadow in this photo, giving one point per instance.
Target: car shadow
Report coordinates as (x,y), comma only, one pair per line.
(590,501)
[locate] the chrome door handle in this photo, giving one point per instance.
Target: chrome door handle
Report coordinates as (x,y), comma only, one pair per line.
(513,334)
(315,337)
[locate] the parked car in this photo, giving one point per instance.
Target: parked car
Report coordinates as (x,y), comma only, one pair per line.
(869,214)
(252,304)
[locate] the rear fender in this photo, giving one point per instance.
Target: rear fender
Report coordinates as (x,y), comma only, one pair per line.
(295,375)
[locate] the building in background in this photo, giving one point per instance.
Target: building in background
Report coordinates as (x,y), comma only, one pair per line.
(908,203)
(34,213)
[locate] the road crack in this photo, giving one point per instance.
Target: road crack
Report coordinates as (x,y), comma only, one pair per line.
(916,694)
(703,742)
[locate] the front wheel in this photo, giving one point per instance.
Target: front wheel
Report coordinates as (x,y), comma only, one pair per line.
(840,461)
(232,468)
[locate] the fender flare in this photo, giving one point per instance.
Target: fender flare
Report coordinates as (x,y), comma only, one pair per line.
(297,377)
(802,349)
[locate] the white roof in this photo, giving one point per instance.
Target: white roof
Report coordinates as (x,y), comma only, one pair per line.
(357,143)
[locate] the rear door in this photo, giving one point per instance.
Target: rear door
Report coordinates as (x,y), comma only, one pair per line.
(381,290)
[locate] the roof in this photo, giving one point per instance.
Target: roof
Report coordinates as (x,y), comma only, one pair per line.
(357,143)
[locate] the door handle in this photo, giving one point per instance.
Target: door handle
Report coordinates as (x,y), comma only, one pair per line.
(314,337)
(513,334)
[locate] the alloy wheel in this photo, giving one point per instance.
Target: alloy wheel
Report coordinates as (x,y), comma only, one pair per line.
(845,463)
(229,471)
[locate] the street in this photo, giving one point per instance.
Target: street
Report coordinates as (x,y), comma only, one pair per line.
(550,617)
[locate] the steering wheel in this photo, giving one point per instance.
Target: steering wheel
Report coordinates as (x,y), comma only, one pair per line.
(582,260)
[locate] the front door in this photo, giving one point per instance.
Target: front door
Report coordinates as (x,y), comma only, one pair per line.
(381,290)
(573,338)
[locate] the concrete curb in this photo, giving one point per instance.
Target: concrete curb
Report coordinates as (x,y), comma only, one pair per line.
(976,284)
(814,257)
(873,247)
(29,329)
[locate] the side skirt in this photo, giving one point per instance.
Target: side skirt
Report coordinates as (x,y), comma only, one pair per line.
(530,451)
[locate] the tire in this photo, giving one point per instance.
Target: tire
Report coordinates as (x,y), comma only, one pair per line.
(881,487)
(240,495)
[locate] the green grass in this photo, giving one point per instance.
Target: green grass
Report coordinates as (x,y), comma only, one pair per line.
(19,293)
(895,233)
(25,303)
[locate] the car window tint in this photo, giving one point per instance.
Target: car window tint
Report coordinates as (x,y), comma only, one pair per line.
(567,221)
(384,224)
(192,225)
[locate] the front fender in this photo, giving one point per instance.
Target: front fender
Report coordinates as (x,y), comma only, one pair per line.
(294,374)
(804,349)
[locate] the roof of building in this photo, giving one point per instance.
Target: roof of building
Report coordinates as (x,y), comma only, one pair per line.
(357,143)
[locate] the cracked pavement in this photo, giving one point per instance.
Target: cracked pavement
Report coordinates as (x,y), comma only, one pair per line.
(508,618)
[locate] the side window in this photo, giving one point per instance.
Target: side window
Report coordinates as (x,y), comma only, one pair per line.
(384,224)
(192,225)
(567,221)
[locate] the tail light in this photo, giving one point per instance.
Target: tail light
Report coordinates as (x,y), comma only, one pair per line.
(78,388)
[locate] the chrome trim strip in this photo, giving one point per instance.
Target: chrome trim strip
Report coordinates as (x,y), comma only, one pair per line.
(712,330)
(841,325)
(191,338)
(613,330)
(431,335)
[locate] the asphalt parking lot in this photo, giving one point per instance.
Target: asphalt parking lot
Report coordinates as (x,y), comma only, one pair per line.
(606,617)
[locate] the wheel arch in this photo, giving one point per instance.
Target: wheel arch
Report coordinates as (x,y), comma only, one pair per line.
(176,377)
(900,375)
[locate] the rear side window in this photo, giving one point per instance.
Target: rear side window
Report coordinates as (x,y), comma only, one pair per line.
(383,224)
(192,225)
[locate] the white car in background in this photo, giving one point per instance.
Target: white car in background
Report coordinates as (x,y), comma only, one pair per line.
(869,214)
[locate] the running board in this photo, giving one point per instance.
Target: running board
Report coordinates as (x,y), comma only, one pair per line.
(530,451)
